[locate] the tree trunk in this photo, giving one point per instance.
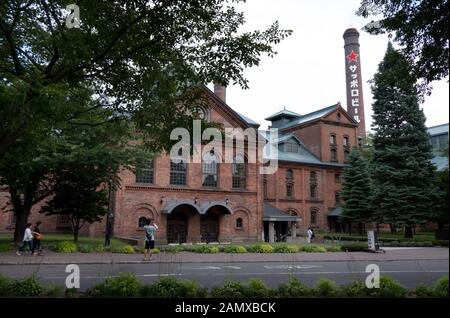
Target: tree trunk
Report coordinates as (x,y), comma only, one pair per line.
(408,232)
(393,228)
(360,228)
(378,227)
(350,228)
(22,216)
(76,229)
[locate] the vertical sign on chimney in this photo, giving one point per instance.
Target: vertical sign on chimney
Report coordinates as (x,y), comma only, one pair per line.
(355,99)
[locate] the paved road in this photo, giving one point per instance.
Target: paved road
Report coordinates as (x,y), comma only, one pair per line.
(409,272)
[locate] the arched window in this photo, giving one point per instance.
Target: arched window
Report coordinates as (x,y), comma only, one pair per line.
(333,155)
(142,221)
(346,141)
(178,173)
(239,223)
(289,174)
(239,173)
(145,171)
(346,155)
(333,139)
(210,170)
(314,216)
(289,191)
(313,185)
(337,198)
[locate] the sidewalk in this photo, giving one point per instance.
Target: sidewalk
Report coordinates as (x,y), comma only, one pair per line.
(392,254)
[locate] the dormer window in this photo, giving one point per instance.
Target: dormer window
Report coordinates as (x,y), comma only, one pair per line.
(292,147)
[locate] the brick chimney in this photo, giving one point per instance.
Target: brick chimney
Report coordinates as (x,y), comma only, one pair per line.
(220,91)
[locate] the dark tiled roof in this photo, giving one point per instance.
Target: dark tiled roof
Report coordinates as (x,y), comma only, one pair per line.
(283,113)
(271,213)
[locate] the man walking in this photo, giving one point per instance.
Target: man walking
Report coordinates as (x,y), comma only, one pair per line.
(37,239)
(27,240)
(149,228)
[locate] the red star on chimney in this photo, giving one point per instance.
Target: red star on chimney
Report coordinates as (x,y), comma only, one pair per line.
(352,57)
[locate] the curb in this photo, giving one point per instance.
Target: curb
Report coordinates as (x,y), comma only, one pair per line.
(221,262)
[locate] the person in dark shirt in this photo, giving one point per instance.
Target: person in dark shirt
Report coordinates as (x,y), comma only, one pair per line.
(37,239)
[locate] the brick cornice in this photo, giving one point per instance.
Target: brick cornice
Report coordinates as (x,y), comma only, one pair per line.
(196,190)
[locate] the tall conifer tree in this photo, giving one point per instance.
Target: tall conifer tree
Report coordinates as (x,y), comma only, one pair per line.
(356,190)
(404,190)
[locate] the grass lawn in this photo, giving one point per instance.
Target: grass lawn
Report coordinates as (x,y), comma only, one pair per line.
(50,241)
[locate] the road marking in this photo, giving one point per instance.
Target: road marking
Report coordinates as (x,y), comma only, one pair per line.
(290,266)
(233,267)
(203,268)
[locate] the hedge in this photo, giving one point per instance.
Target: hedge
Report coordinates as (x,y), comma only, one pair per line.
(127,285)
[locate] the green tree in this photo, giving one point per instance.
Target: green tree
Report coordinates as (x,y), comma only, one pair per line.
(356,190)
(31,166)
(135,56)
(421,29)
(82,183)
(403,175)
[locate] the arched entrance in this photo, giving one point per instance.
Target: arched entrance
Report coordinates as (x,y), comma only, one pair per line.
(210,222)
(177,226)
(209,227)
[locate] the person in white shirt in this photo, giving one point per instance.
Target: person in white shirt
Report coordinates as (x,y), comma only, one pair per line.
(27,240)
(309,234)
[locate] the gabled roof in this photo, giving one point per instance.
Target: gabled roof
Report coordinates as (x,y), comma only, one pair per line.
(245,120)
(303,155)
(283,113)
(248,120)
(313,116)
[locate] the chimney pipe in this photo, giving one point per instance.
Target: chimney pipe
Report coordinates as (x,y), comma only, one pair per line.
(220,91)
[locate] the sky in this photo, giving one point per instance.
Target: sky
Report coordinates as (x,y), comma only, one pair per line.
(309,71)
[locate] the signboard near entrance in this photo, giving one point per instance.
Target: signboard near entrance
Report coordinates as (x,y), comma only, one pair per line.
(372,240)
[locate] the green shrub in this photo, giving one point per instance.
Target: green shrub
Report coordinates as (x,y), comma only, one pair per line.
(441,288)
(125,249)
(27,287)
(293,289)
(173,249)
(124,285)
(172,288)
(261,248)
(286,248)
(257,289)
(5,284)
(354,247)
(354,290)
(66,247)
(99,248)
(85,248)
(326,288)
(54,291)
(443,243)
(5,247)
(422,291)
(207,249)
(313,249)
(334,248)
(389,288)
(229,290)
(155,251)
(235,249)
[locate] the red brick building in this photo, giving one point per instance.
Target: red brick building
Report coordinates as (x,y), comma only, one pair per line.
(216,201)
